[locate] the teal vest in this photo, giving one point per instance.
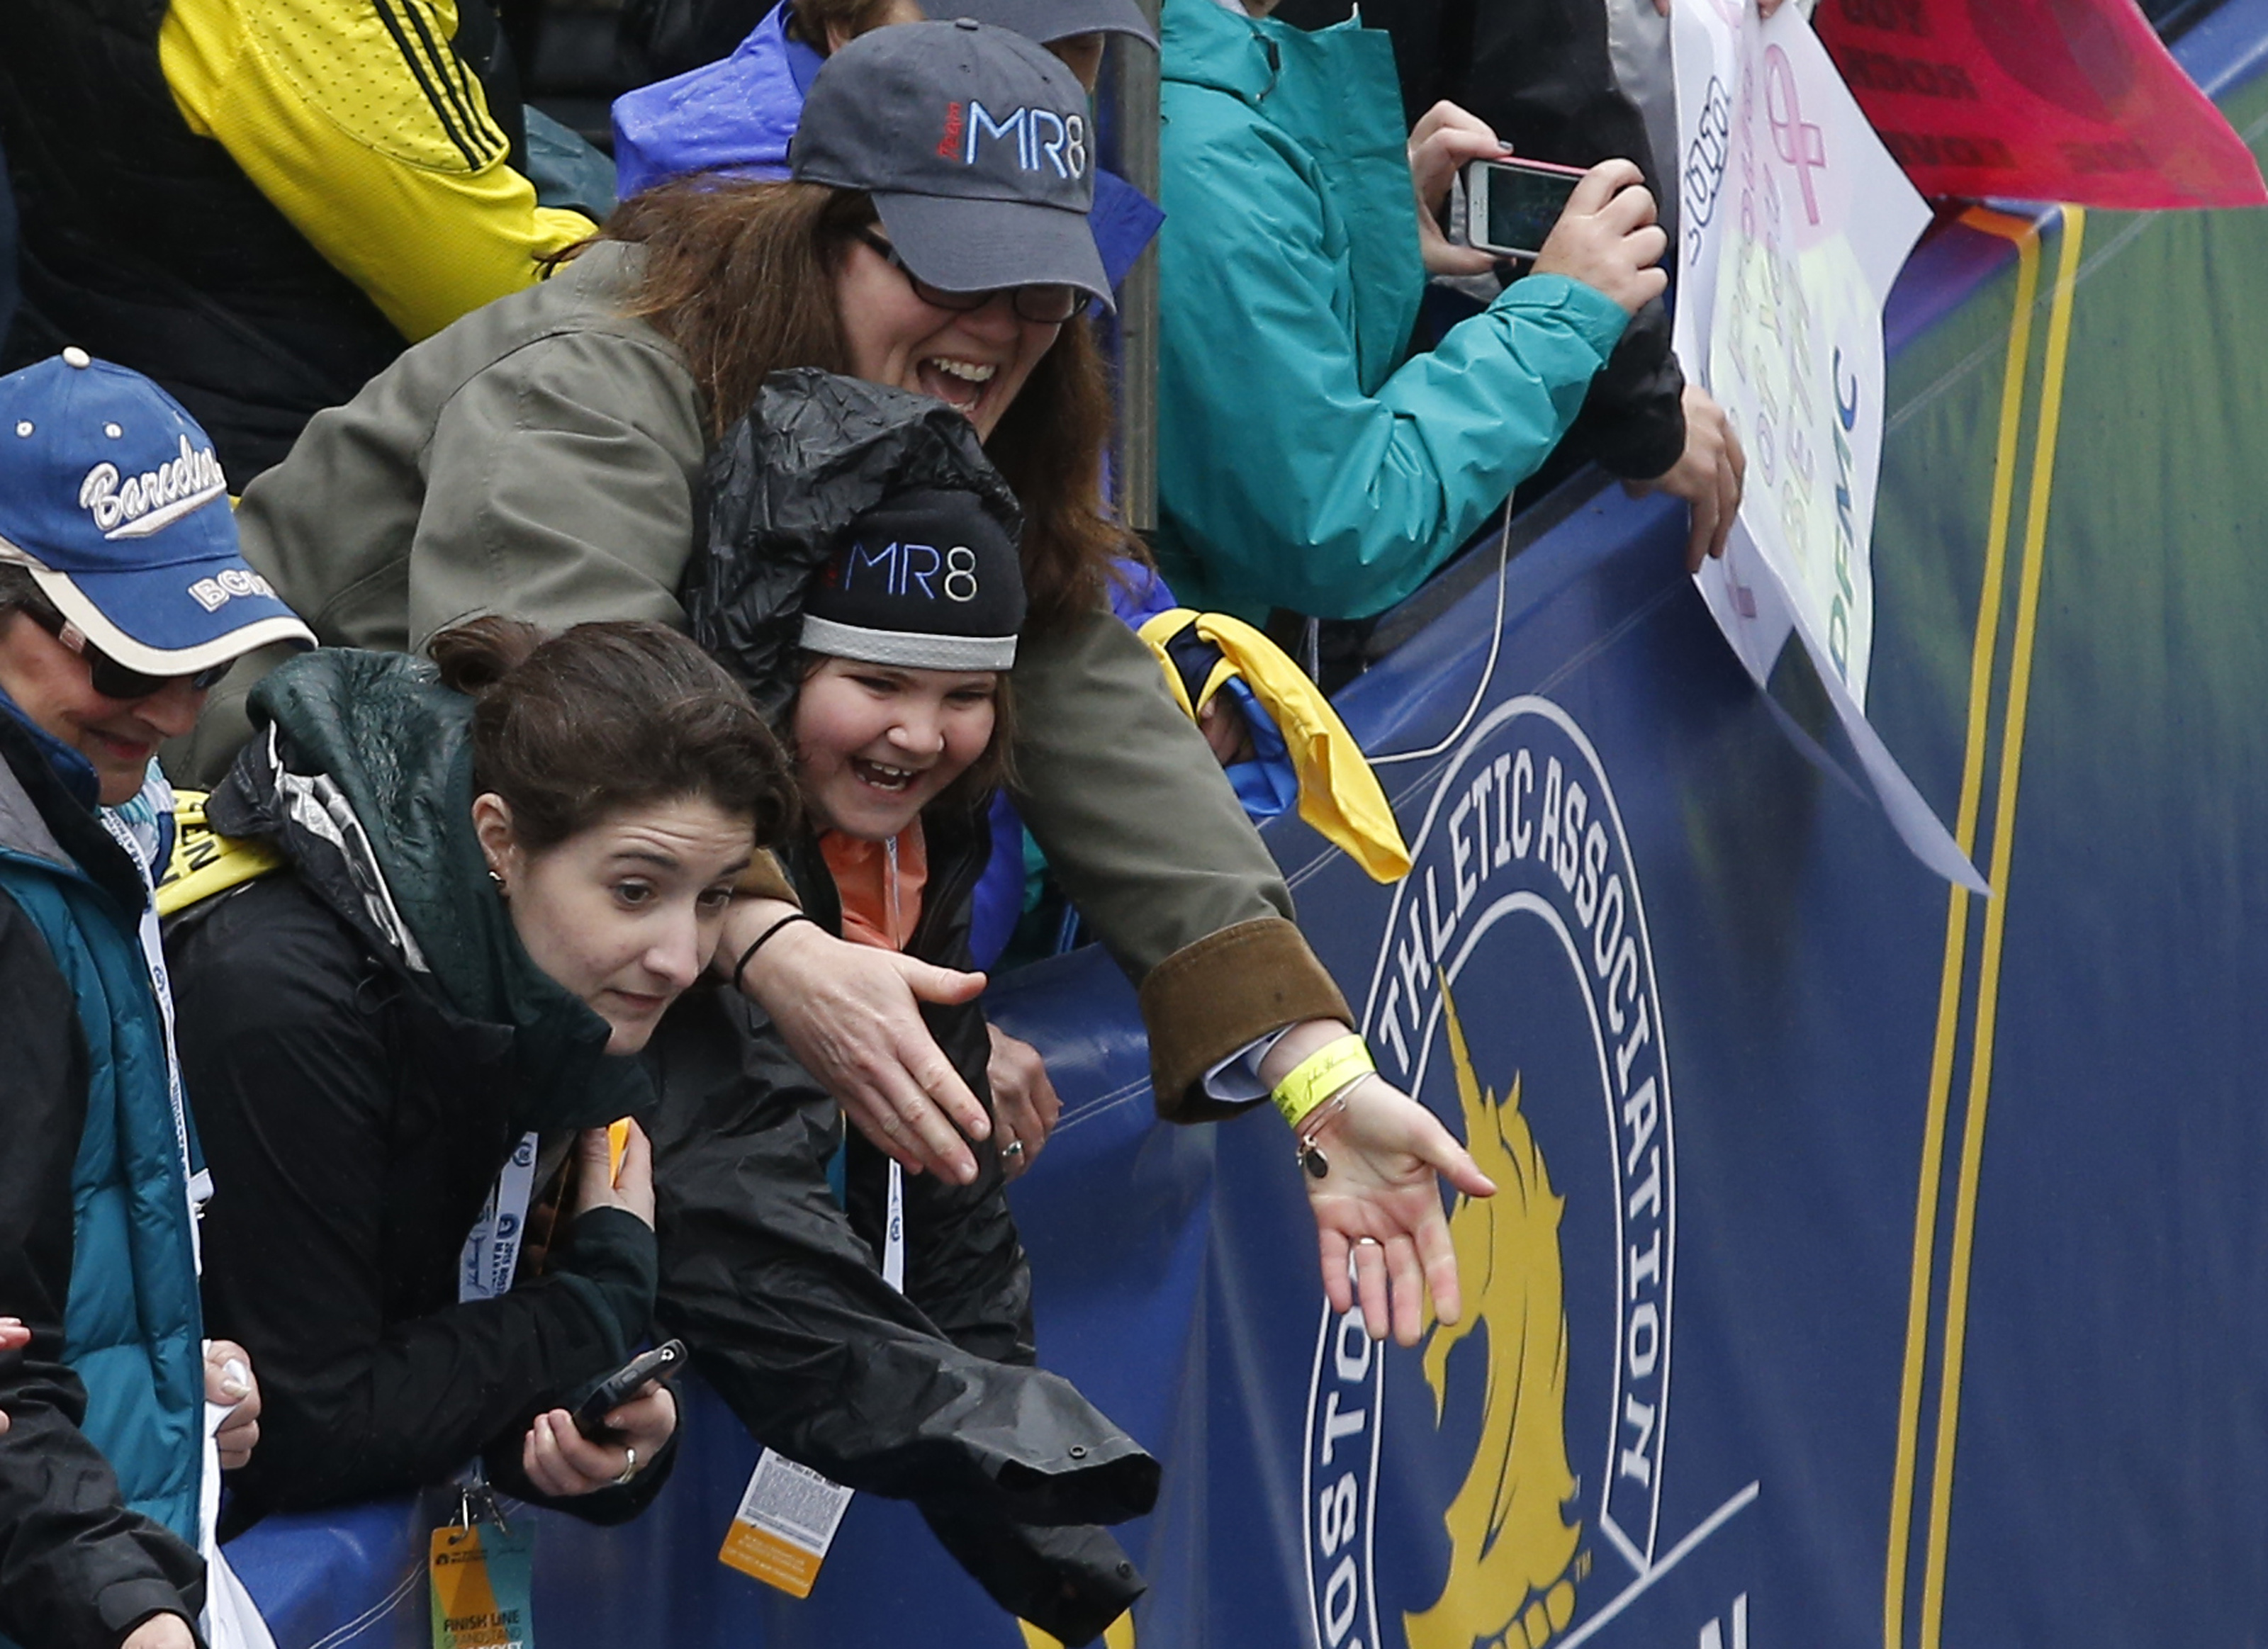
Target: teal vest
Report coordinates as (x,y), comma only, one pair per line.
(133,1330)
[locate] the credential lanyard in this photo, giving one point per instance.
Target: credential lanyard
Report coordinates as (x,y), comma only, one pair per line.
(894,1232)
(491,1252)
(894,1228)
(153,941)
(484,1270)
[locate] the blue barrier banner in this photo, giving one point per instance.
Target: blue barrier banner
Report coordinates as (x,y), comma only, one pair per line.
(1872,1263)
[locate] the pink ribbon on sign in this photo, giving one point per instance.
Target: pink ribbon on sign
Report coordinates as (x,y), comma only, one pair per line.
(1799,143)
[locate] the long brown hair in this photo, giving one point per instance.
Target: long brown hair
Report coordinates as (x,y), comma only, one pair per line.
(741,275)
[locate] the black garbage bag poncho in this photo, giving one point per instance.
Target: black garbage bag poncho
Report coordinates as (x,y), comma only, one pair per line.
(815,453)
(930,1395)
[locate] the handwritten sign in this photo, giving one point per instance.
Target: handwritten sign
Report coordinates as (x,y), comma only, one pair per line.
(1795,222)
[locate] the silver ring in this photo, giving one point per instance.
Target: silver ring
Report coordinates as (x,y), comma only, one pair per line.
(629,1470)
(1367,1242)
(1013,1148)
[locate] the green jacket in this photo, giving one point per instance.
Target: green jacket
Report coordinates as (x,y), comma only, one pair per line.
(373,743)
(1305,461)
(541,458)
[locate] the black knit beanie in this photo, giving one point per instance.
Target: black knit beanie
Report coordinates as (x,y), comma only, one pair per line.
(927,579)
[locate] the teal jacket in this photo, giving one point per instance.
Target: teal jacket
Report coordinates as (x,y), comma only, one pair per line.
(113,1382)
(1305,460)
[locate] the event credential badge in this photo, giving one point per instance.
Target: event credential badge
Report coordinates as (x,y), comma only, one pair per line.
(483,1575)
(789,1514)
(787,1521)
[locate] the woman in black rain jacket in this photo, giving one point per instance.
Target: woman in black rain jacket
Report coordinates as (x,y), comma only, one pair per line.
(474,914)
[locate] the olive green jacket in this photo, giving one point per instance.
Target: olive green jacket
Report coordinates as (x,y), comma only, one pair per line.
(541,458)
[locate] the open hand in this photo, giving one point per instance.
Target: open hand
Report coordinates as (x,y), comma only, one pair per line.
(563,1462)
(1381,1206)
(1443,141)
(1607,237)
(850,1014)
(1381,1202)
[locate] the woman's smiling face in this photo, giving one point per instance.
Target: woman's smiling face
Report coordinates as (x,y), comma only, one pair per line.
(54,687)
(974,359)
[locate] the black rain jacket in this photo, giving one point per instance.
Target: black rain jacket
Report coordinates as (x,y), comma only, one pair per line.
(365,1042)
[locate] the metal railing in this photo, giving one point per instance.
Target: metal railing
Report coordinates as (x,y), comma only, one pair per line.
(1129,91)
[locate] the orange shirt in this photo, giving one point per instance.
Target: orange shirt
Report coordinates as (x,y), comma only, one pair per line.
(878,909)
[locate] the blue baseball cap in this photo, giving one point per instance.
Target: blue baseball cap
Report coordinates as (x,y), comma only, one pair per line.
(111,498)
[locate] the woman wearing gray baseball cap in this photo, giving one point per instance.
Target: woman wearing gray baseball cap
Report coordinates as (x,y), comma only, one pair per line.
(542,456)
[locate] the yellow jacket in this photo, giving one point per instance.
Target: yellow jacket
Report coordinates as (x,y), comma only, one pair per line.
(359,121)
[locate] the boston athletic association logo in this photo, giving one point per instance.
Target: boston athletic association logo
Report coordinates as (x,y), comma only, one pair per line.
(1491,1487)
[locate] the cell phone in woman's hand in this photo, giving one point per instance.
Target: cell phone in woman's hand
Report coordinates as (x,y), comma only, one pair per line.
(620,1387)
(1514,204)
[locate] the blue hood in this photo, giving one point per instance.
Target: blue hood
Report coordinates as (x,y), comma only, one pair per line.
(734,116)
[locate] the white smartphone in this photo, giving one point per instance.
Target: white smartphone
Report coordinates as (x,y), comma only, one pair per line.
(1511,205)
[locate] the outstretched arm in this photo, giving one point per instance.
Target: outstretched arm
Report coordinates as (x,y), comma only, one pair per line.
(852,1015)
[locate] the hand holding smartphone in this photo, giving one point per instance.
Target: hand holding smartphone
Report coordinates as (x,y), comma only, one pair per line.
(620,1387)
(1512,204)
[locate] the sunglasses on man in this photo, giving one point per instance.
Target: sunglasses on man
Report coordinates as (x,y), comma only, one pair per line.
(1051,304)
(112,679)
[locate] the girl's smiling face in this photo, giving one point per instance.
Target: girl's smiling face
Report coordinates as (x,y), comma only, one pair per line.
(875,744)
(974,359)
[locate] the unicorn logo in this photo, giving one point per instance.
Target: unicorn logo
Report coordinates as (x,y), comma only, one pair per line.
(1515,1557)
(1459,1511)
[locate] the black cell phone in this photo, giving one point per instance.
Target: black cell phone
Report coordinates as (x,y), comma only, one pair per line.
(1512,204)
(617,1387)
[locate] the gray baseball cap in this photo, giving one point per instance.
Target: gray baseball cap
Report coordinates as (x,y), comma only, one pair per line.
(1049,20)
(976,145)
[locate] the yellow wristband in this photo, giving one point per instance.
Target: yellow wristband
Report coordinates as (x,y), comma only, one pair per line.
(1322,1074)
